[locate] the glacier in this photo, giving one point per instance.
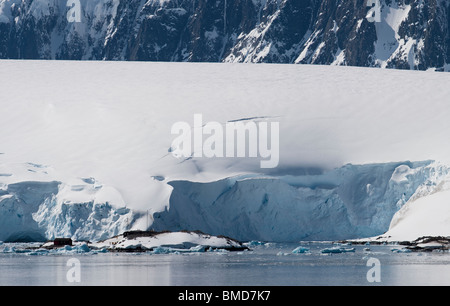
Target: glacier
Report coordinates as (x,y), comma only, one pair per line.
(86,150)
(353,201)
(348,202)
(44,210)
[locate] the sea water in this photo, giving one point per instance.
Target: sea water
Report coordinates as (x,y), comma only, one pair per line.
(271,264)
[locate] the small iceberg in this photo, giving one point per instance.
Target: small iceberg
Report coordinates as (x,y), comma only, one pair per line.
(300,250)
(282,254)
(162,250)
(254,243)
(9,249)
(336,250)
(38,252)
(71,249)
(401,250)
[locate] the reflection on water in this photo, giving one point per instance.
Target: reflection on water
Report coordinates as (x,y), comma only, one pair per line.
(267,264)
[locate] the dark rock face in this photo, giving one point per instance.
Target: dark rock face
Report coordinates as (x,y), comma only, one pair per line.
(412,34)
(341,28)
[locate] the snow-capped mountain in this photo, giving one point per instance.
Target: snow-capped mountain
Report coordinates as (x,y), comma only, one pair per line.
(410,35)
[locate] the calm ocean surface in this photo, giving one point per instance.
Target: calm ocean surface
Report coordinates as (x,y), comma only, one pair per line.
(267,264)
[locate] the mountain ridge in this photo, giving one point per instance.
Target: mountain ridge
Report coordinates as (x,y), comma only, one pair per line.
(412,34)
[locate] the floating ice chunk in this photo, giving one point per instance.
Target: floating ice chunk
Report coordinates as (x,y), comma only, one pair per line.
(83,248)
(102,250)
(337,250)
(39,252)
(22,251)
(401,250)
(15,249)
(195,249)
(282,254)
(8,249)
(67,249)
(254,243)
(161,250)
(217,250)
(300,250)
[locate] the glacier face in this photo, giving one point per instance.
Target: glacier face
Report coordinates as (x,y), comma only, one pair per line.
(349,202)
(18,202)
(81,209)
(411,34)
(354,201)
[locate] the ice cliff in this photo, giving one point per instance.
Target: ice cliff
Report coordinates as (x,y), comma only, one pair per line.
(353,201)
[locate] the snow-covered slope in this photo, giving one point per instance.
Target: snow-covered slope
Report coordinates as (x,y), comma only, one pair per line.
(168,242)
(427,213)
(96,137)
